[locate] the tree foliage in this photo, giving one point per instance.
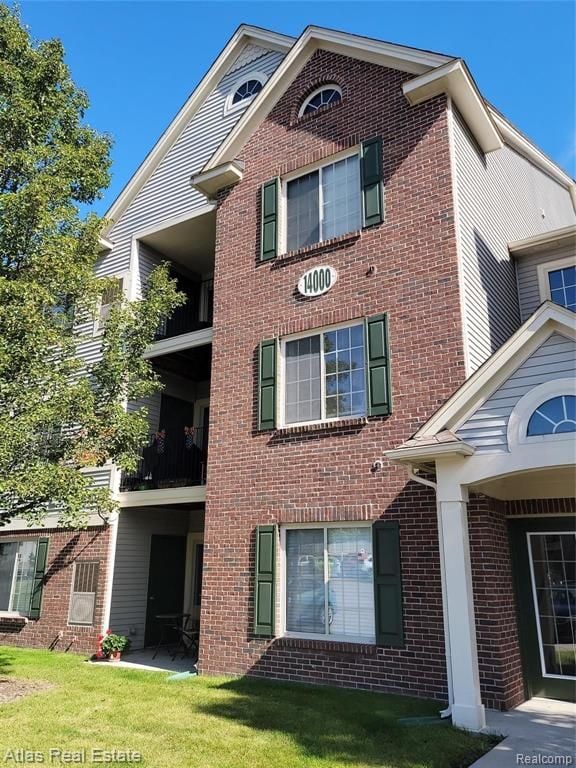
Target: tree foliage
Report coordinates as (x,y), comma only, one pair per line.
(58,413)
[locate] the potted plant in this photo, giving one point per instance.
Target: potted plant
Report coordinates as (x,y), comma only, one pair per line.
(113,645)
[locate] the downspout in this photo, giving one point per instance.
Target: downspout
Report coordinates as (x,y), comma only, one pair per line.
(110,565)
(430,484)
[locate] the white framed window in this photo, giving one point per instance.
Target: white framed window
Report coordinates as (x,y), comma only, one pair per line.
(244,90)
(545,413)
(115,291)
(322,203)
(323,96)
(557,282)
(327,582)
(17,569)
(323,375)
(83,594)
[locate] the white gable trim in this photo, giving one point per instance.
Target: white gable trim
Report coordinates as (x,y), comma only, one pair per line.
(399,57)
(547,319)
(243,35)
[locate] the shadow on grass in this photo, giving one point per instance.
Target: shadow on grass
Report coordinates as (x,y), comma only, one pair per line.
(5,664)
(347,727)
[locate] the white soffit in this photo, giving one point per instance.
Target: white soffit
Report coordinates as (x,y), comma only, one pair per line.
(454,79)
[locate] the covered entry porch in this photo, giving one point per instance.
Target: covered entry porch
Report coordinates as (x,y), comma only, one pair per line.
(157,581)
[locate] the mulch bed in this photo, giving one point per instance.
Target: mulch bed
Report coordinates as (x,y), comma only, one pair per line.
(12,689)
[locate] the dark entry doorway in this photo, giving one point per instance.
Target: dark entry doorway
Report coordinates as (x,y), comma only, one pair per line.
(165,582)
(544,565)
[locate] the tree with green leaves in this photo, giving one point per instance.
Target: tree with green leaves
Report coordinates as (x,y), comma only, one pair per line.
(59,414)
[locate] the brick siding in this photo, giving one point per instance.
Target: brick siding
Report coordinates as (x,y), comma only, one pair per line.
(65,547)
(324,473)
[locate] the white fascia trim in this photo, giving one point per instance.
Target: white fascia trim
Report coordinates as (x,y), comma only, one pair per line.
(491,374)
(428,452)
(455,80)
(104,244)
(209,182)
(162,497)
(554,237)
(515,139)
(179,343)
(398,57)
(244,34)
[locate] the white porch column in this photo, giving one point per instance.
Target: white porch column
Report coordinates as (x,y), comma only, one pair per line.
(467,707)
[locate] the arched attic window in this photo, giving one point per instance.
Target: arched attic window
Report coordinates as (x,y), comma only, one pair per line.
(321,97)
(244,90)
(553,417)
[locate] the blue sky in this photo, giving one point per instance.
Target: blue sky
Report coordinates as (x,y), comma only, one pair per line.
(139,61)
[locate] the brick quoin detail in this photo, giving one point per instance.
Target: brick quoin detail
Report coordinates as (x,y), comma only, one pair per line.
(275,476)
(64,549)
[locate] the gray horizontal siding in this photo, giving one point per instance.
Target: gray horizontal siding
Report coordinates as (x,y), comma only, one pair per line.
(130,582)
(527,270)
(501,198)
(487,428)
(168,193)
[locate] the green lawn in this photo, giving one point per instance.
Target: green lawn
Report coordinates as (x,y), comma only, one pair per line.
(219,723)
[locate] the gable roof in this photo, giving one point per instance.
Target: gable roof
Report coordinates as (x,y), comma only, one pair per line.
(435,73)
(547,319)
(245,34)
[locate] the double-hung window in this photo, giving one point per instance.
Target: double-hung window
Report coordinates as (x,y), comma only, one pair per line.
(17,570)
(557,282)
(324,203)
(329,583)
(325,376)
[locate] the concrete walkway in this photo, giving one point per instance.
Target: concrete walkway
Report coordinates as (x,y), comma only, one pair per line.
(143,660)
(538,732)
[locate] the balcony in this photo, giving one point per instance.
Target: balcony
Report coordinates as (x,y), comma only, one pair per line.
(194,315)
(170,459)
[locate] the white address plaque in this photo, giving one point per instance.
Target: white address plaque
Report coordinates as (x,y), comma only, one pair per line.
(317,281)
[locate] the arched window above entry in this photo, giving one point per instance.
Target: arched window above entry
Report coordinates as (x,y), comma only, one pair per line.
(244,91)
(553,417)
(321,97)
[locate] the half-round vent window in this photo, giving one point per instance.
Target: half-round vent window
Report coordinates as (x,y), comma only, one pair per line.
(246,91)
(327,94)
(553,417)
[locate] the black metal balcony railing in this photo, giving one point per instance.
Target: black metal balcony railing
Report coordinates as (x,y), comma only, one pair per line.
(170,460)
(194,315)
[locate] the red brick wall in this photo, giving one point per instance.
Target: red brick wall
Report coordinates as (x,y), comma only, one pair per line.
(64,549)
(262,477)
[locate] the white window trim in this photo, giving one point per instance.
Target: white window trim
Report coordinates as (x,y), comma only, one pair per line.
(551,266)
(525,407)
(229,107)
(535,602)
(9,612)
(324,87)
(124,276)
(303,171)
(281,376)
(283,581)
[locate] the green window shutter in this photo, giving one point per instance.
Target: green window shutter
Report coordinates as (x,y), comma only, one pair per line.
(371,180)
(39,571)
(387,584)
(378,366)
(264,587)
(267,385)
(269,229)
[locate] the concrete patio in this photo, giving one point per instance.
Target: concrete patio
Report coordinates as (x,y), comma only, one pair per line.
(143,660)
(538,732)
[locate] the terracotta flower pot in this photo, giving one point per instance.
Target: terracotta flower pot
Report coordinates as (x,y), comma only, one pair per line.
(115,656)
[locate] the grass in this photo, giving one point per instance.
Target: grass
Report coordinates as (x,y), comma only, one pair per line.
(219,722)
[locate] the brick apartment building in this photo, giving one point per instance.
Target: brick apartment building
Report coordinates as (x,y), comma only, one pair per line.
(360,468)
